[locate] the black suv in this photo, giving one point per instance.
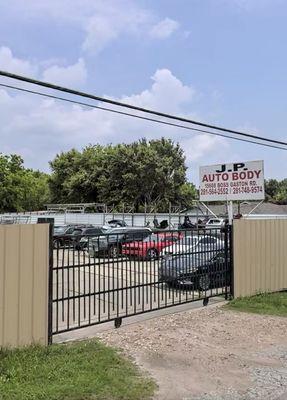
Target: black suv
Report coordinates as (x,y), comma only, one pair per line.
(67,234)
(110,243)
(82,237)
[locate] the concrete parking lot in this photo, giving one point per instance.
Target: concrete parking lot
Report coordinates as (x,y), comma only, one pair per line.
(91,290)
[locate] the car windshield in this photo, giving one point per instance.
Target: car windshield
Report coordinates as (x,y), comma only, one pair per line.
(60,229)
(188,240)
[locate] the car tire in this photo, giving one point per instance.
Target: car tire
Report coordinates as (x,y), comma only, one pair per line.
(171,284)
(204,282)
(92,254)
(114,251)
(151,254)
(56,244)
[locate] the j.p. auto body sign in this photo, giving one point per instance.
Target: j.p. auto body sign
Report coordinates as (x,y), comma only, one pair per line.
(236,181)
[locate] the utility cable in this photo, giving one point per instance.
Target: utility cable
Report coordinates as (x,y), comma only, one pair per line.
(135,108)
(138,116)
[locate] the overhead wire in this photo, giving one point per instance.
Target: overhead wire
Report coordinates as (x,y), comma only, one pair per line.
(135,108)
(137,116)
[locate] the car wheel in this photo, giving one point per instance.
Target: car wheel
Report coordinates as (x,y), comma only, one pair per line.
(114,251)
(204,282)
(152,254)
(171,284)
(56,244)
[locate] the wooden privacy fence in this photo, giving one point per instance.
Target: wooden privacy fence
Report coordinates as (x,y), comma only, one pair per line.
(260,256)
(24,261)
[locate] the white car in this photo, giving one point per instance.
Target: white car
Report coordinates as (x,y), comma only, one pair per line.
(193,244)
(215,223)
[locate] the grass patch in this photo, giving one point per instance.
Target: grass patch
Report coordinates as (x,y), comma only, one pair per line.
(77,371)
(266,303)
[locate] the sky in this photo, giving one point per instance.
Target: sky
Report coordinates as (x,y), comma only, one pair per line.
(222,62)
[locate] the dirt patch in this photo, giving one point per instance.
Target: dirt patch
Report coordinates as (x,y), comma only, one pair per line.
(209,354)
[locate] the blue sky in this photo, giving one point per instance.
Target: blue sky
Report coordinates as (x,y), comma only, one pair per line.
(219,61)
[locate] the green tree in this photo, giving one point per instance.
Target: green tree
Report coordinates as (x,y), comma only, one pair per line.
(64,167)
(281,194)
(36,191)
(21,189)
(188,193)
(271,189)
(276,191)
(144,172)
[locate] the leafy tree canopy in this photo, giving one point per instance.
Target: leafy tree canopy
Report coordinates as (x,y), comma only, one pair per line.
(21,189)
(144,172)
(276,191)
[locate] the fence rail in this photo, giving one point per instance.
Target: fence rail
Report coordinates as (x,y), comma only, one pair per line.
(99,219)
(104,278)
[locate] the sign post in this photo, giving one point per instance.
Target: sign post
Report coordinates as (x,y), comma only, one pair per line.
(234,181)
(230,212)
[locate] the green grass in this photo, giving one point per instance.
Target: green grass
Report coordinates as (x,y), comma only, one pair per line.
(267,303)
(78,371)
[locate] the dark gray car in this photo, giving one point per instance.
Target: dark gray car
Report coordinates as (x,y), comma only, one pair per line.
(199,271)
(82,237)
(110,243)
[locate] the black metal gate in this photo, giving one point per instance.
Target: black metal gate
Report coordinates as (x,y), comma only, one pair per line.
(124,272)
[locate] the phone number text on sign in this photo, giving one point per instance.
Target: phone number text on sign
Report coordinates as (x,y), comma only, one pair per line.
(237,181)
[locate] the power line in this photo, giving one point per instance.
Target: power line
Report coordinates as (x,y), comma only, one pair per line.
(132,107)
(138,116)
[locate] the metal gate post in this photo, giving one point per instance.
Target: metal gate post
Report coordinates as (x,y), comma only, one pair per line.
(228,245)
(231,261)
(50,287)
(50,221)
(226,256)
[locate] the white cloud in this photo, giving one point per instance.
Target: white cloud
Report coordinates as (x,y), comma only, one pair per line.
(15,65)
(101,21)
(164,28)
(99,33)
(72,75)
(167,93)
(111,20)
(39,129)
(203,144)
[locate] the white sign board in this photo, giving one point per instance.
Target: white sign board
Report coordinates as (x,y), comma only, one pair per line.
(236,181)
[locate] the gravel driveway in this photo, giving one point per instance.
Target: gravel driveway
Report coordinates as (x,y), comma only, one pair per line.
(209,354)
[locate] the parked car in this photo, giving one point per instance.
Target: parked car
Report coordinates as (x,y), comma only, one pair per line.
(215,223)
(67,234)
(81,237)
(112,241)
(196,271)
(194,244)
(62,234)
(151,246)
(116,223)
